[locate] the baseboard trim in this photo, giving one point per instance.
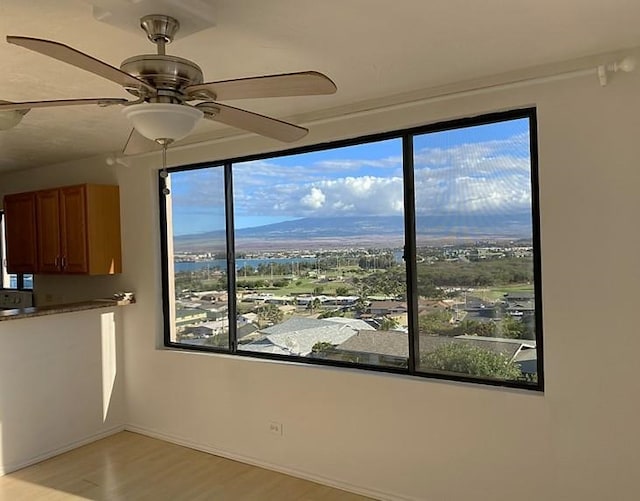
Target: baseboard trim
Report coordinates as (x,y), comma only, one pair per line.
(8,468)
(305,475)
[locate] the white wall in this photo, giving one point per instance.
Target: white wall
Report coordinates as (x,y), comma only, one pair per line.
(61,383)
(403,438)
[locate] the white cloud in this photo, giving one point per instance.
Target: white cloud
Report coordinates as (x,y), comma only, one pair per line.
(341,206)
(365,195)
(484,178)
(314,199)
(345,165)
(480,178)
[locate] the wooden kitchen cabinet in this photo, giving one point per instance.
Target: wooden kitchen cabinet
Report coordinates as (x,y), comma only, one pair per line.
(48,240)
(20,226)
(77,230)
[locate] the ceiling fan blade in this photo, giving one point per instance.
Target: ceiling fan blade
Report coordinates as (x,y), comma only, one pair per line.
(304,83)
(260,124)
(81,60)
(27,105)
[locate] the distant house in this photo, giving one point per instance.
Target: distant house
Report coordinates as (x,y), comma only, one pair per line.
(482,253)
(391,348)
(298,335)
(280,300)
(351,322)
(520,304)
(387,348)
(479,310)
(214,296)
(519,296)
(431,305)
(247,318)
(215,311)
(506,347)
(255,297)
(242,331)
(384,308)
(304,300)
(341,300)
(206,329)
(187,316)
(527,360)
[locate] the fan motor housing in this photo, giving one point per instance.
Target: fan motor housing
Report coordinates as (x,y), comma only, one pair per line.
(165,73)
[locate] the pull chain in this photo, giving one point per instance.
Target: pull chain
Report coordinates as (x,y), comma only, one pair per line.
(163,173)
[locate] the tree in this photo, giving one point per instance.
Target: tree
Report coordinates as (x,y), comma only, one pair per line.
(331,314)
(317,290)
(341,290)
(512,328)
(391,282)
(475,328)
(435,323)
(360,306)
(322,347)
(387,324)
(314,304)
(464,358)
(269,313)
(426,288)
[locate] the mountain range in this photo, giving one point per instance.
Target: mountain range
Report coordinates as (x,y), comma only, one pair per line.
(362,230)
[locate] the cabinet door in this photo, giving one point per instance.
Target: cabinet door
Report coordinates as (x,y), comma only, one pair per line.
(103,229)
(48,216)
(73,222)
(20,224)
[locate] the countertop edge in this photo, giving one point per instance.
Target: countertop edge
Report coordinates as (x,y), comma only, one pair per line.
(39,311)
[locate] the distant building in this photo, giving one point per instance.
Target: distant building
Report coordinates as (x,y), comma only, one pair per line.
(298,335)
(247,318)
(384,308)
(214,296)
(207,329)
(387,348)
(391,348)
(187,316)
(215,311)
(520,304)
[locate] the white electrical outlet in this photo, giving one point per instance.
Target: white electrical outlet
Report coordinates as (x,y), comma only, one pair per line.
(275,428)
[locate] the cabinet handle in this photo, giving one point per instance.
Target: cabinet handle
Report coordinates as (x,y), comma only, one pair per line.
(57,262)
(64,262)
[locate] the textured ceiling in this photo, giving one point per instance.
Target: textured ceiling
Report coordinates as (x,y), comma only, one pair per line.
(370,48)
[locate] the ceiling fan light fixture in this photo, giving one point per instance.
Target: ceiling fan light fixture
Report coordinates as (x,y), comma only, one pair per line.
(163,120)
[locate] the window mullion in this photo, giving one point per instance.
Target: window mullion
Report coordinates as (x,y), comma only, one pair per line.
(410,249)
(231,258)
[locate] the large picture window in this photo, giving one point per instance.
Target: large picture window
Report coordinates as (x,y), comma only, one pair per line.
(414,252)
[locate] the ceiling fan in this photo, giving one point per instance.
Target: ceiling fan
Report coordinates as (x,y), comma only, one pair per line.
(165,85)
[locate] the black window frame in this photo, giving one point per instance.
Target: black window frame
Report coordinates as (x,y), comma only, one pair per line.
(406,135)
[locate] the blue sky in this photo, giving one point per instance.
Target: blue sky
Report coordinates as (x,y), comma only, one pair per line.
(476,170)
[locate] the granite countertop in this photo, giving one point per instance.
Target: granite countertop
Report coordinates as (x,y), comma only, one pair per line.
(38,311)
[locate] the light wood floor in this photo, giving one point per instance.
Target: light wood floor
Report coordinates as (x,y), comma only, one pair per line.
(128,466)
